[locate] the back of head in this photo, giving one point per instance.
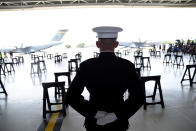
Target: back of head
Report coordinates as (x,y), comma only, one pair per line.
(107,40)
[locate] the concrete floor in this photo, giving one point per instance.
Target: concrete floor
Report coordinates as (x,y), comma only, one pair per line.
(21,110)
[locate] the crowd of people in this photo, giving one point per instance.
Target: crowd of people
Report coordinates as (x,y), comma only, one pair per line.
(188,47)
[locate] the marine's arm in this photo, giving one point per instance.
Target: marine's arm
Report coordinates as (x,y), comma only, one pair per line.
(136,95)
(76,100)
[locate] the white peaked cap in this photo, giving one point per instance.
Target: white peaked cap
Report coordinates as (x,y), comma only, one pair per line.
(107,31)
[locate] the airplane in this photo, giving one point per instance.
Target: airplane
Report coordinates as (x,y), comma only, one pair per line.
(56,40)
(138,44)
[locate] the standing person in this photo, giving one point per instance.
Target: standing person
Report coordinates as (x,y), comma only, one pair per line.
(1,55)
(11,55)
(5,56)
(106,78)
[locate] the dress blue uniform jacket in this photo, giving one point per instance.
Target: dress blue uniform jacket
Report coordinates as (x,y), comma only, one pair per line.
(106,78)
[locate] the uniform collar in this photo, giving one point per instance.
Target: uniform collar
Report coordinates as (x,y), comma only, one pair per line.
(107,51)
(103,54)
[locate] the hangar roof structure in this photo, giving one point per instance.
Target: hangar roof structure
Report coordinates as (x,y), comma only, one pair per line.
(18,4)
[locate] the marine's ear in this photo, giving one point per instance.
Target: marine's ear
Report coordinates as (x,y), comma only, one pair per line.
(116,44)
(97,44)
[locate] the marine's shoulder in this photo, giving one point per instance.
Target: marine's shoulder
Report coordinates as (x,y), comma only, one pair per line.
(89,61)
(125,61)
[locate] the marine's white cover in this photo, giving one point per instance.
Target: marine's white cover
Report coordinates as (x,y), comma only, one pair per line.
(107,31)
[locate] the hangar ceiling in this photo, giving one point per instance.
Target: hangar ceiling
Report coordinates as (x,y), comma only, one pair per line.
(17,4)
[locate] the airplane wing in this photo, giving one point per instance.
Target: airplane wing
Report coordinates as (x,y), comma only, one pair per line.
(32,49)
(6,50)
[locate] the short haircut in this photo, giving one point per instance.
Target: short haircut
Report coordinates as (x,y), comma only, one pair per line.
(107,40)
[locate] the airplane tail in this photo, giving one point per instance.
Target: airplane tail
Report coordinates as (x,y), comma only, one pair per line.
(21,46)
(59,35)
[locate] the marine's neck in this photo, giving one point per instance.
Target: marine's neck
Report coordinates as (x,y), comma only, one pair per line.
(106,50)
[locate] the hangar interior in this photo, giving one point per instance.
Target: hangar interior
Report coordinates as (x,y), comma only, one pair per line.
(22,98)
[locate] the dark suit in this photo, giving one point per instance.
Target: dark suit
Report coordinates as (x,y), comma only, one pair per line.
(106,78)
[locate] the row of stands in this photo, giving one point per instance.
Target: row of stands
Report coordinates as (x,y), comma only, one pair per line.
(8,67)
(177,59)
(144,62)
(59,87)
(38,63)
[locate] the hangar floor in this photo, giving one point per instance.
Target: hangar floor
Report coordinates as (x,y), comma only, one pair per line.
(21,110)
